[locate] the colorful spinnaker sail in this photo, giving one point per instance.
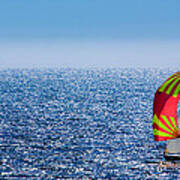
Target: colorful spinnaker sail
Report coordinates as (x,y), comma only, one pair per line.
(165,125)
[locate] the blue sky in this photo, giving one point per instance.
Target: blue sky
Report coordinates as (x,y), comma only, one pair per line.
(89,33)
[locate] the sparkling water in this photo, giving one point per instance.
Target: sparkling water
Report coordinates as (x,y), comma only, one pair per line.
(80,124)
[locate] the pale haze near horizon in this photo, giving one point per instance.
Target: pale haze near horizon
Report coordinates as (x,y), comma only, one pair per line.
(84,54)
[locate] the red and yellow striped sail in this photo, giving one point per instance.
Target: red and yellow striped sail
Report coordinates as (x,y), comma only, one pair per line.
(166,99)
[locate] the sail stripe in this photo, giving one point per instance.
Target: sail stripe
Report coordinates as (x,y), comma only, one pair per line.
(155,126)
(155,119)
(174,88)
(171,125)
(174,126)
(174,122)
(160,133)
(162,88)
(162,124)
(172,85)
(176,92)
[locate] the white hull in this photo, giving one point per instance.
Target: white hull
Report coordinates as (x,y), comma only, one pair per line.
(172,151)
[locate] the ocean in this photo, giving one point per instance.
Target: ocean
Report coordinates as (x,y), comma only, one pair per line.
(80,124)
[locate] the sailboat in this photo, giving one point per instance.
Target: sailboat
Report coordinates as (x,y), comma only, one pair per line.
(165,117)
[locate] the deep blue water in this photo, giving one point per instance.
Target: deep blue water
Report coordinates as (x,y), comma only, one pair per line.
(75,123)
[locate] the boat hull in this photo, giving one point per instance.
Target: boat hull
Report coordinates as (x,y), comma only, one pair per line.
(172,152)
